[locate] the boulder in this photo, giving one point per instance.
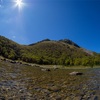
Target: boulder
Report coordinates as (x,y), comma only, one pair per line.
(45,69)
(75,73)
(12,61)
(55,67)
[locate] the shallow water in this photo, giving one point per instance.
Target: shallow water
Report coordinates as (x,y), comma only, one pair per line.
(20,82)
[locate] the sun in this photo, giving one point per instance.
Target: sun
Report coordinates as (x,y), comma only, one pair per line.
(19,4)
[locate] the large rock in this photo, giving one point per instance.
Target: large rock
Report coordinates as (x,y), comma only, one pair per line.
(45,69)
(75,73)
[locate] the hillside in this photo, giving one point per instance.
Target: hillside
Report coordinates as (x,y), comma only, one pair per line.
(63,52)
(9,48)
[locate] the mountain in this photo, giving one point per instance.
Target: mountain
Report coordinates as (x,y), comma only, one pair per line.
(9,48)
(63,52)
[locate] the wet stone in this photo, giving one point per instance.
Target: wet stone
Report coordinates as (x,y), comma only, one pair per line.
(68,98)
(94,98)
(78,98)
(2,98)
(55,89)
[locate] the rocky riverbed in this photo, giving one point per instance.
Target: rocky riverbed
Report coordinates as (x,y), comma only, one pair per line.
(22,82)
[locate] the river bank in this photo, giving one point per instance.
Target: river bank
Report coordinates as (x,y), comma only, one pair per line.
(23,82)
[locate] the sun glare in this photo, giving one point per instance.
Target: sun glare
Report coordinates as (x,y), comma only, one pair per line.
(19,4)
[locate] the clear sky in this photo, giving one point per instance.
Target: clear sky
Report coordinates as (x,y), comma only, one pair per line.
(35,20)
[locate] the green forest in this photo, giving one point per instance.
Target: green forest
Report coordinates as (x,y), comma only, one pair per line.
(47,52)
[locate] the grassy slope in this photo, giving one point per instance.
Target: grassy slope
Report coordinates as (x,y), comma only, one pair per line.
(57,49)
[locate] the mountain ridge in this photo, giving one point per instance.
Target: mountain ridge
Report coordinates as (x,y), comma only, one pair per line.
(61,52)
(61,40)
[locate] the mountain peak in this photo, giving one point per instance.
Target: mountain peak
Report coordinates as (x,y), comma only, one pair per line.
(69,42)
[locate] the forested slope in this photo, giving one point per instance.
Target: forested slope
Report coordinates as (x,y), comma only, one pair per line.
(62,52)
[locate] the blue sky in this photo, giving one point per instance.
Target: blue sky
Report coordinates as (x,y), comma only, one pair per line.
(77,20)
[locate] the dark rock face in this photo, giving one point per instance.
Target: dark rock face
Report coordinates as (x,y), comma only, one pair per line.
(69,42)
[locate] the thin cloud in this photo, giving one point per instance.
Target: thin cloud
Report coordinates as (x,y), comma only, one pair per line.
(0,3)
(14,37)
